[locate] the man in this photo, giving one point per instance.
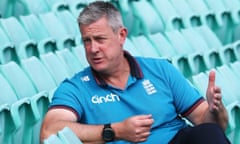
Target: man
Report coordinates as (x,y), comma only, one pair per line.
(121,99)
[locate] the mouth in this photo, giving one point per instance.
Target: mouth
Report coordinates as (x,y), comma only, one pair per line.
(97,60)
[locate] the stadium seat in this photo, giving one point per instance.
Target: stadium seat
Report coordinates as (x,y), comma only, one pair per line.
(53,139)
(79,52)
(6,124)
(7,49)
(232,90)
(171,19)
(130,47)
(183,49)
(226,52)
(224,26)
(144,46)
(143,22)
(207,16)
(13,8)
(198,43)
(57,30)
(8,95)
(39,105)
(24,45)
(38,74)
(164,46)
(36,6)
(38,32)
(55,67)
(76,6)
(71,24)
(233,6)
(57,5)
(18,80)
(68,136)
(70,62)
(189,17)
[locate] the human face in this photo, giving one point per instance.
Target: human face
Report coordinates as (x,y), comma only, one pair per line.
(103,47)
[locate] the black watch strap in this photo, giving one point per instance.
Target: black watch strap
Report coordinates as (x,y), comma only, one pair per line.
(108,133)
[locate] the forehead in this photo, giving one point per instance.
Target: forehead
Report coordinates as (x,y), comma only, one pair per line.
(101,26)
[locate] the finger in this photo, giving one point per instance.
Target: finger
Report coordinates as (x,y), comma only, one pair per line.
(211,80)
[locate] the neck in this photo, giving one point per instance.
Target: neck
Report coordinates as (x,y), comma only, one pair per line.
(119,76)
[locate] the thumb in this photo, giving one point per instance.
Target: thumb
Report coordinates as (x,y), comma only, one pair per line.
(211,79)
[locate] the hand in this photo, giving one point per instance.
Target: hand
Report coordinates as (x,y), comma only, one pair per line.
(213,93)
(136,128)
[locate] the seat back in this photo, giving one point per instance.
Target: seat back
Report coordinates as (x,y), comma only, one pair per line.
(18,80)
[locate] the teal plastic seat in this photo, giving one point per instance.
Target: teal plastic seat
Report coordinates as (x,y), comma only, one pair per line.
(13,8)
(144,46)
(18,80)
(198,43)
(57,30)
(76,6)
(189,17)
(130,47)
(79,52)
(36,7)
(70,62)
(38,74)
(235,66)
(171,19)
(71,24)
(164,46)
(55,67)
(207,16)
(200,81)
(224,24)
(38,32)
(146,19)
(53,139)
(6,124)
(57,5)
(39,105)
(8,95)
(184,50)
(7,49)
(226,52)
(68,136)
(24,45)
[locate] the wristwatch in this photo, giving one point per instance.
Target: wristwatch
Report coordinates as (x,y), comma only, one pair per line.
(108,134)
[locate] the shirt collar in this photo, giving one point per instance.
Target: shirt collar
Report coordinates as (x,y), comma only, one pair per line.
(134,69)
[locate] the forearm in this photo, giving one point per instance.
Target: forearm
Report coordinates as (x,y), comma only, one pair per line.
(220,116)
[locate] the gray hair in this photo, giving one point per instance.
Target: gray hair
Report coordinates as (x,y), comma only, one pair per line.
(96,10)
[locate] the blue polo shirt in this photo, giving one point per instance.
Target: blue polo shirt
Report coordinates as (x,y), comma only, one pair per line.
(154,87)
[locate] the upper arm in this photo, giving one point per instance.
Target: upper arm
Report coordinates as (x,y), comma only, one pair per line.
(53,121)
(197,116)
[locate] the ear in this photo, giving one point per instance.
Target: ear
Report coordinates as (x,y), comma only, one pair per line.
(122,35)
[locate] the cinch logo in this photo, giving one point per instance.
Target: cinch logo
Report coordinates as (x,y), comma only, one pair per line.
(105,99)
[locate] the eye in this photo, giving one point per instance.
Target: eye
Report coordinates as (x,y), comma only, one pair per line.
(86,40)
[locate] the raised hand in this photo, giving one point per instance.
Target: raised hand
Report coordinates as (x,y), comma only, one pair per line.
(213,94)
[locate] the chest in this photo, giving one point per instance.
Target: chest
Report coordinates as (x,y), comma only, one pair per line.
(141,97)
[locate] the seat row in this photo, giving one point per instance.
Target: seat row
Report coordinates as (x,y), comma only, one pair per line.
(36,34)
(227,77)
(151,16)
(191,50)
(26,91)
(222,18)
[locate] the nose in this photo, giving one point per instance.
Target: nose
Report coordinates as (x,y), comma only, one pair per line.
(94,47)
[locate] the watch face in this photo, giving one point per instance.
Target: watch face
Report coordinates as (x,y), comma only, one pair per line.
(108,134)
